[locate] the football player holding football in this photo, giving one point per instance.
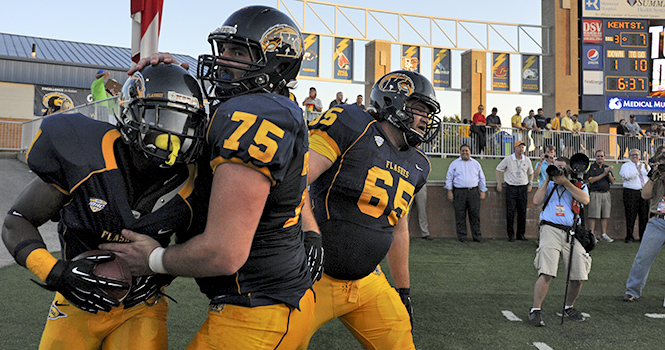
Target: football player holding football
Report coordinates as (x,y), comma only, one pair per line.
(97,179)
(364,169)
(250,260)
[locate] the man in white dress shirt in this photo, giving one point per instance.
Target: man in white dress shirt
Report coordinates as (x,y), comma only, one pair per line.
(634,174)
(518,175)
(465,182)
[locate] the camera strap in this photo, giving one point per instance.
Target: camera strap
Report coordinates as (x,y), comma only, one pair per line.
(550,196)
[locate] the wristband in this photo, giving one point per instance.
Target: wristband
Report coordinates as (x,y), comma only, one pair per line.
(40,262)
(156,260)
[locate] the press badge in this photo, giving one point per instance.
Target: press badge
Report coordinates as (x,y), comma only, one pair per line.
(560,210)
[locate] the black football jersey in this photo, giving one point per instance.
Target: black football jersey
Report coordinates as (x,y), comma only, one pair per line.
(88,161)
(267,133)
(368,188)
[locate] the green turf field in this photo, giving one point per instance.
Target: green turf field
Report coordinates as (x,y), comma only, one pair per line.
(459,292)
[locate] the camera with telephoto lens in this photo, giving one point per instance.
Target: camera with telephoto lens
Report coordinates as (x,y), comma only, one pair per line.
(556,170)
(657,168)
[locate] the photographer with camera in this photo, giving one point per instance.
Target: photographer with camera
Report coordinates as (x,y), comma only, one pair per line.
(635,175)
(546,159)
(558,196)
(654,235)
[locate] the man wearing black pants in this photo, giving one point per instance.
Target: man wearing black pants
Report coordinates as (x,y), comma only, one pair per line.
(634,174)
(518,175)
(464,179)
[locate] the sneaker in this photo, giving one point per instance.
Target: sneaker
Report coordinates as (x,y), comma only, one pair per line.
(605,238)
(427,238)
(574,314)
(536,318)
(629,298)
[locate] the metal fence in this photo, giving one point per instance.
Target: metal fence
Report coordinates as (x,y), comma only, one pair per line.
(487,142)
(17,136)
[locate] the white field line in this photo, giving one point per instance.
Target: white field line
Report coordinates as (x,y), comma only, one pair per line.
(655,315)
(511,316)
(542,346)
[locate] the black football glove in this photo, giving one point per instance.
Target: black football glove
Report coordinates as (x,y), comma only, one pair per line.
(145,287)
(314,249)
(76,282)
(406,300)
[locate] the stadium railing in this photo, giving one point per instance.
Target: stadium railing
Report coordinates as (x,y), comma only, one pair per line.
(17,136)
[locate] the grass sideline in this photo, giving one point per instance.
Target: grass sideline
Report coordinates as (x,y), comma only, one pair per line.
(458,292)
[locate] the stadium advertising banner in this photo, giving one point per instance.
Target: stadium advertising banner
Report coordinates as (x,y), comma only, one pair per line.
(500,72)
(629,61)
(310,62)
(624,8)
(51,99)
(441,68)
(410,58)
(530,73)
(639,103)
(342,59)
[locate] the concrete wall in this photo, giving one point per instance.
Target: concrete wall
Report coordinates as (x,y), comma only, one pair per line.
(441,215)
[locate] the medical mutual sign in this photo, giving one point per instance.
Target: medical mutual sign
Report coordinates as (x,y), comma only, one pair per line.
(638,103)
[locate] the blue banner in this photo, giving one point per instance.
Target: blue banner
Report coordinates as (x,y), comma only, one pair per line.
(500,72)
(310,61)
(530,73)
(640,103)
(343,59)
(441,68)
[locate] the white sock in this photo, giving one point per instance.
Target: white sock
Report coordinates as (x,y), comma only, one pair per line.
(534,309)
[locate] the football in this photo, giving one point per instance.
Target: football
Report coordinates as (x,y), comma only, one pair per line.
(116,269)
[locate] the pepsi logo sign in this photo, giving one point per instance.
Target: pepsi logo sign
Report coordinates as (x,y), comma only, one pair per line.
(593,55)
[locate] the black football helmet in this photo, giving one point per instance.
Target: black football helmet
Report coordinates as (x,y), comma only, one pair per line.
(388,101)
(275,46)
(162,114)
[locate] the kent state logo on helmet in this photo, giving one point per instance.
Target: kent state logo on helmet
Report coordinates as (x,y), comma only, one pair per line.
(397,83)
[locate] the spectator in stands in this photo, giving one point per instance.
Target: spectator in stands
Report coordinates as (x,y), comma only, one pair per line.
(634,131)
(478,130)
(547,133)
(599,177)
(338,100)
(465,182)
(465,133)
(97,88)
(622,139)
(359,102)
(567,137)
(531,127)
(577,139)
(590,126)
(518,175)
(313,106)
(634,174)
(516,123)
(493,126)
(556,135)
(652,133)
(546,160)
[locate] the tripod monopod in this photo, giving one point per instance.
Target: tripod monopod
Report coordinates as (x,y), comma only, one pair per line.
(571,235)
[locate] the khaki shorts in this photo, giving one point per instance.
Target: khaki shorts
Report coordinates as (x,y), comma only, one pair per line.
(600,205)
(552,245)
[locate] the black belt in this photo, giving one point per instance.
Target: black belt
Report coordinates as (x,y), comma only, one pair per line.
(517,185)
(559,226)
(465,188)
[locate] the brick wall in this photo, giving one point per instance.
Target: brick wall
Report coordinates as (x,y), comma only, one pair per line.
(441,215)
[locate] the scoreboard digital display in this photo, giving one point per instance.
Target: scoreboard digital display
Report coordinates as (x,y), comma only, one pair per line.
(615,60)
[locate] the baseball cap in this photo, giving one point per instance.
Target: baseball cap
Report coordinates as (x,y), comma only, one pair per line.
(101,71)
(520,143)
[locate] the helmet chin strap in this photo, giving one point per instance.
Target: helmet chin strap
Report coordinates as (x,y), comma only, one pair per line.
(166,142)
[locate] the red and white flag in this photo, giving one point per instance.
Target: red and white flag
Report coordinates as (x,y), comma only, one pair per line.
(146,23)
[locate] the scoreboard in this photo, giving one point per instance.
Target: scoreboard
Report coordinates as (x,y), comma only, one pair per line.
(615,60)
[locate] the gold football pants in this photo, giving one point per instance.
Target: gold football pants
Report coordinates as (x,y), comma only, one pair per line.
(263,327)
(369,308)
(139,327)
